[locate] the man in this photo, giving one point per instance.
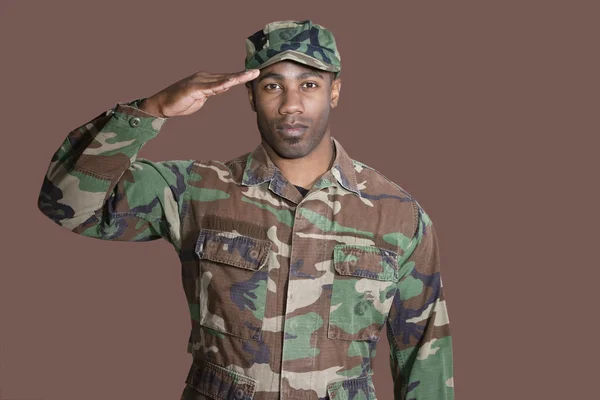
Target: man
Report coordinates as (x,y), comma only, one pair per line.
(294,256)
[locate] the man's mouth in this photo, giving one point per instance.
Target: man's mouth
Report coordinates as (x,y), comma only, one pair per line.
(292,129)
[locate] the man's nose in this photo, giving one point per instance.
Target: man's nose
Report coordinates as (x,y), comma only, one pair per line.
(291,103)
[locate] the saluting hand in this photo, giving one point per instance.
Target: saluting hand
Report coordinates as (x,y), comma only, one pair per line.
(189,94)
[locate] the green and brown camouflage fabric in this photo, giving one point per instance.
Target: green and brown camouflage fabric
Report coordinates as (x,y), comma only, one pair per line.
(288,295)
(300,41)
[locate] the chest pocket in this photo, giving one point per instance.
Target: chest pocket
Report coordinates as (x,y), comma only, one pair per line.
(232,283)
(363,289)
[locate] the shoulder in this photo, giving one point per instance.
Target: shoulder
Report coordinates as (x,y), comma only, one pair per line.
(375,186)
(374,181)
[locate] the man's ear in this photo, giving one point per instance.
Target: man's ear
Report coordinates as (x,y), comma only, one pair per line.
(250,95)
(336,86)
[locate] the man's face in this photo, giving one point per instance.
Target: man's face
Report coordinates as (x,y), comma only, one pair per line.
(292,103)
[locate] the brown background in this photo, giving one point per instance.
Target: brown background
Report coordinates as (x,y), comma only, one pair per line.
(486,112)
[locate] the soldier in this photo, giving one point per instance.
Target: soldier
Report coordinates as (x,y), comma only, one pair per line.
(294,256)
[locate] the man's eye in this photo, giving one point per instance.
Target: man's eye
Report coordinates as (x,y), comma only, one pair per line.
(311,85)
(271,86)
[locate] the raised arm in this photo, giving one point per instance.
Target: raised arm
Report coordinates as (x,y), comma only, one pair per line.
(96,187)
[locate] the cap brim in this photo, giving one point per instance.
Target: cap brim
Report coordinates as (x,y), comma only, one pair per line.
(301,58)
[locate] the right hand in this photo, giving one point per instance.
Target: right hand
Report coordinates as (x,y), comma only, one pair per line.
(189,94)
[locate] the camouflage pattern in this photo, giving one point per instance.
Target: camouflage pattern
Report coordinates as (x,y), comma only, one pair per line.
(288,295)
(300,41)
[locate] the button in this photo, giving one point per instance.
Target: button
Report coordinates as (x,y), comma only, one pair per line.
(134,122)
(239,393)
(253,253)
(360,308)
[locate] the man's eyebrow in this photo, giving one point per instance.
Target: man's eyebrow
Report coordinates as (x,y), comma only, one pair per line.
(309,74)
(270,75)
(298,77)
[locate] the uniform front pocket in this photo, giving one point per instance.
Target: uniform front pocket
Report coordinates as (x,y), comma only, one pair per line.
(360,388)
(363,289)
(232,283)
(217,382)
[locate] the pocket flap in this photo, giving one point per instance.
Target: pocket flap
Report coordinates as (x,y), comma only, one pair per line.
(366,262)
(233,249)
(218,382)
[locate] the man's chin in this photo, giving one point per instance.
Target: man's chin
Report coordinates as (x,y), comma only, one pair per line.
(293,141)
(291,148)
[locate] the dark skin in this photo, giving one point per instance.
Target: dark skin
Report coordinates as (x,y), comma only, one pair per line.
(291,93)
(292,103)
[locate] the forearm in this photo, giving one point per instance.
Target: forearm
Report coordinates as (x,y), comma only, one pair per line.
(151,106)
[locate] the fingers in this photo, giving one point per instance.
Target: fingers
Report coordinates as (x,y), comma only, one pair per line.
(210,76)
(243,78)
(247,75)
(216,87)
(230,80)
(239,77)
(219,89)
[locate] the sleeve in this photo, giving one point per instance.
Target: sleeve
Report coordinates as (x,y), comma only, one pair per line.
(421,356)
(95,186)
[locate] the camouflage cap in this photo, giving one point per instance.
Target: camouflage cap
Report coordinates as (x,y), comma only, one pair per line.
(300,41)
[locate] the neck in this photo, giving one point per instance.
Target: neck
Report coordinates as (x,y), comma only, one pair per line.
(307,170)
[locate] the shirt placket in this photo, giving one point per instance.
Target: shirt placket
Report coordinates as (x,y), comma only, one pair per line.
(298,248)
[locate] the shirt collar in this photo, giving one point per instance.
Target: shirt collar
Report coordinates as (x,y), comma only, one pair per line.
(260,168)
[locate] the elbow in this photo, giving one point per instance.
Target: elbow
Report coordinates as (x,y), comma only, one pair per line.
(48,203)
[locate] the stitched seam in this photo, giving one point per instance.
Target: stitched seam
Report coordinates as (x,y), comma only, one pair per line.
(236,161)
(237,237)
(236,326)
(416,219)
(401,364)
(133,214)
(91,173)
(226,371)
(184,207)
(230,262)
(397,357)
(361,248)
(384,278)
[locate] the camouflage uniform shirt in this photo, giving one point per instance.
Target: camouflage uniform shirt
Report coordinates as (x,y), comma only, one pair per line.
(288,294)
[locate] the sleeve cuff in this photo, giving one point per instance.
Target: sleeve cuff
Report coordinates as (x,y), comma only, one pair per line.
(136,118)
